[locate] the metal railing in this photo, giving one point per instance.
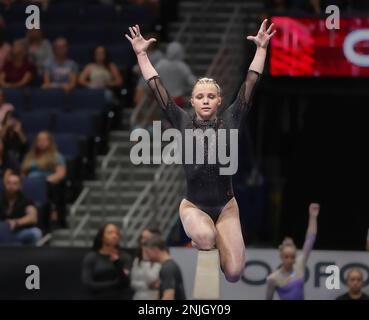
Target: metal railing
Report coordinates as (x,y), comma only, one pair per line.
(158,202)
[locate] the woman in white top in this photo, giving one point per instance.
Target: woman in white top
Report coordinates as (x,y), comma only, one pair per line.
(101,73)
(145,274)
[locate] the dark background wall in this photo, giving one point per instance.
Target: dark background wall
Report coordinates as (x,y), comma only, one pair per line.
(60,273)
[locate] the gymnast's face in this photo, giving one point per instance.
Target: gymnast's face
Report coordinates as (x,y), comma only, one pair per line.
(206,100)
(288,257)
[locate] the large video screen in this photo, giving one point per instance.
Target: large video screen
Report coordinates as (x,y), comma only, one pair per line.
(305,47)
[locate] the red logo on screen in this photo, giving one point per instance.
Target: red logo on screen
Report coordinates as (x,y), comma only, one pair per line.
(305,47)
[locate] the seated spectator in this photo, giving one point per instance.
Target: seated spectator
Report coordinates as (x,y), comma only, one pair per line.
(18,71)
(144,273)
(19,212)
(13,136)
(60,72)
(8,163)
(354,282)
(101,73)
(5,107)
(39,49)
(44,160)
(105,270)
(5,49)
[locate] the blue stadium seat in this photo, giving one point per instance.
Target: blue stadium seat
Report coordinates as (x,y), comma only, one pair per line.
(121,54)
(15,97)
(51,99)
(81,53)
(78,123)
(53,31)
(64,12)
(87,99)
(99,13)
(67,144)
(91,34)
(35,189)
(36,121)
(16,30)
(137,15)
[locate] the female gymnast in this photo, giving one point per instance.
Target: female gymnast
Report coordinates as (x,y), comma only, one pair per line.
(209,212)
(288,280)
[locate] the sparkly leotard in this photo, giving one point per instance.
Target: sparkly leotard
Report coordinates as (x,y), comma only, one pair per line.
(206,188)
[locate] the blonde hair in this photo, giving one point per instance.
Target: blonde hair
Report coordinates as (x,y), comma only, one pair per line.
(46,160)
(207,81)
(287,242)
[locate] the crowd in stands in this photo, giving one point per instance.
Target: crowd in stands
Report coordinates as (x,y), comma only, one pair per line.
(58,88)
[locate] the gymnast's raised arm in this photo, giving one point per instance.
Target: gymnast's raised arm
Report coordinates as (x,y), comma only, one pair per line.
(311,231)
(256,67)
(151,76)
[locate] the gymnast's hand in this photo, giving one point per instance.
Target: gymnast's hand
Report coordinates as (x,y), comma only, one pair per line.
(262,38)
(137,41)
(314,209)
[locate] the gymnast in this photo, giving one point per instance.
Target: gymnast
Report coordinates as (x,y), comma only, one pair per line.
(209,212)
(289,279)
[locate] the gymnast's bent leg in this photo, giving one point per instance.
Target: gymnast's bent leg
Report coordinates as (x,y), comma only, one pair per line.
(230,242)
(197,225)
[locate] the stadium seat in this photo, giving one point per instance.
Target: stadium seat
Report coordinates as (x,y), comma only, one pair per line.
(36,121)
(87,99)
(51,99)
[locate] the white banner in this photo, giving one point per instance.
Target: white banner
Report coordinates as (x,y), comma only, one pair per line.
(260,262)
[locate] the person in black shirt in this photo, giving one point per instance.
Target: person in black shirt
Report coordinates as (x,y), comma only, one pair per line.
(354,282)
(8,162)
(19,212)
(209,213)
(105,270)
(170,276)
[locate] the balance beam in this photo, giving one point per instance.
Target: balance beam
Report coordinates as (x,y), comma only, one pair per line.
(207,283)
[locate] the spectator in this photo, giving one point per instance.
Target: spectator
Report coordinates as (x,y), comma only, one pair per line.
(367,241)
(171,281)
(354,282)
(175,73)
(13,136)
(18,71)
(101,72)
(44,160)
(5,49)
(8,163)
(4,107)
(145,274)
(105,270)
(176,76)
(39,49)
(19,212)
(60,72)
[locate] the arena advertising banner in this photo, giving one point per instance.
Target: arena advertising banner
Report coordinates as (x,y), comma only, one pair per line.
(305,47)
(260,262)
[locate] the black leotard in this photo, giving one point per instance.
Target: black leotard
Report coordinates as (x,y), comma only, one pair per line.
(206,188)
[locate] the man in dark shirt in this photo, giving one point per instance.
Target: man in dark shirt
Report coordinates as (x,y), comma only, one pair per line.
(171,281)
(354,281)
(18,213)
